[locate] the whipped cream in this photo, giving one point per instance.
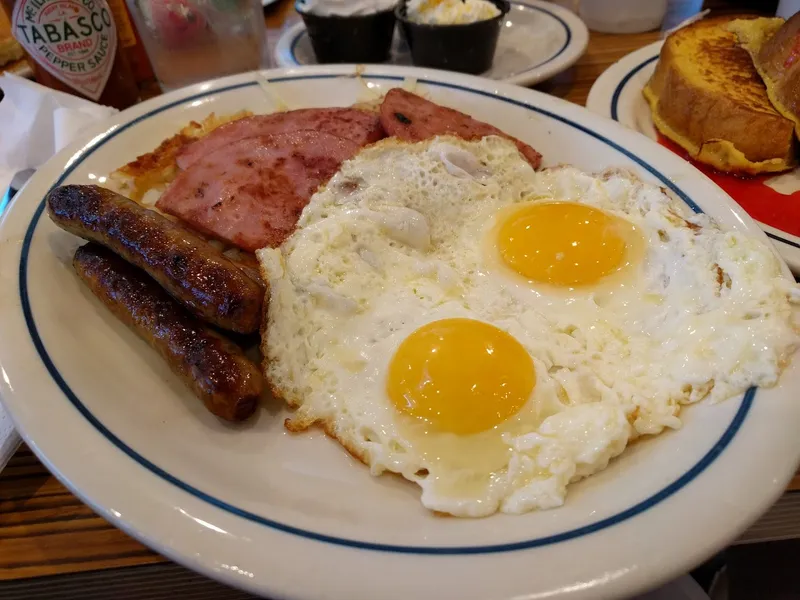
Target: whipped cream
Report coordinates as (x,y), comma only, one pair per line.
(450,12)
(344,8)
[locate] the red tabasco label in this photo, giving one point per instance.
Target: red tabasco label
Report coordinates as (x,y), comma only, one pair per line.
(74,40)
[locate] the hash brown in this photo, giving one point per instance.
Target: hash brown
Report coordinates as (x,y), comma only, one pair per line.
(156,169)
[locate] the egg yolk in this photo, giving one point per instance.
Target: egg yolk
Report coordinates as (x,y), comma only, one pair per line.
(563,243)
(460,375)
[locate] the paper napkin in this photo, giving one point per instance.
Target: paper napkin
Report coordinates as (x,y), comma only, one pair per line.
(36,123)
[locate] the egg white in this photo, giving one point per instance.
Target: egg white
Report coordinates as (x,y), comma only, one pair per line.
(398,239)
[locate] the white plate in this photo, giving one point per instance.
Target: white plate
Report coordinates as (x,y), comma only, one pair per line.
(293,516)
(538,40)
(617,94)
(266,3)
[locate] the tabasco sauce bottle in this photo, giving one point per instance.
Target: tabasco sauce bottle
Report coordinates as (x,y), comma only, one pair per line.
(74,47)
(131,42)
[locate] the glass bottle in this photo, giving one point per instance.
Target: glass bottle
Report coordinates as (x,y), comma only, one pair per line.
(74,47)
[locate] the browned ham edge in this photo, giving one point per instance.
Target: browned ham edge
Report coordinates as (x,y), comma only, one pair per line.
(413,119)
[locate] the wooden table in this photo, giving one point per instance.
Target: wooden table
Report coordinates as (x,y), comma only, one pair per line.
(45,530)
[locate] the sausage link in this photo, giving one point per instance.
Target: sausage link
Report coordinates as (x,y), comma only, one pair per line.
(190,269)
(214,368)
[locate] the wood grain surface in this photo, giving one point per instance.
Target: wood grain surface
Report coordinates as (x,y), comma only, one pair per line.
(45,530)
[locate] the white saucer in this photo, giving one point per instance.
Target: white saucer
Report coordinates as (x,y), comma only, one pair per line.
(538,40)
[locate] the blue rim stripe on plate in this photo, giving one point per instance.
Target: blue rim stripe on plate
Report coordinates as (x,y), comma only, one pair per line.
(783,240)
(615,116)
(623,82)
(303,31)
(675,486)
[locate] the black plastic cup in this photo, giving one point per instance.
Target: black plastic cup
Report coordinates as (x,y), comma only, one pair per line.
(356,39)
(466,48)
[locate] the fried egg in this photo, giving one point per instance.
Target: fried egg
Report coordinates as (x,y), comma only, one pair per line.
(493,334)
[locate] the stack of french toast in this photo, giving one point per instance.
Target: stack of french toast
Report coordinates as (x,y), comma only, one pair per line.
(727,90)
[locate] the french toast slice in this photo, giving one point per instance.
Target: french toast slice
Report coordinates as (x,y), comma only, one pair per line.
(706,96)
(774,47)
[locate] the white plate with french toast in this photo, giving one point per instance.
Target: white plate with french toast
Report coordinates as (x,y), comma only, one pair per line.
(406,322)
(771,198)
